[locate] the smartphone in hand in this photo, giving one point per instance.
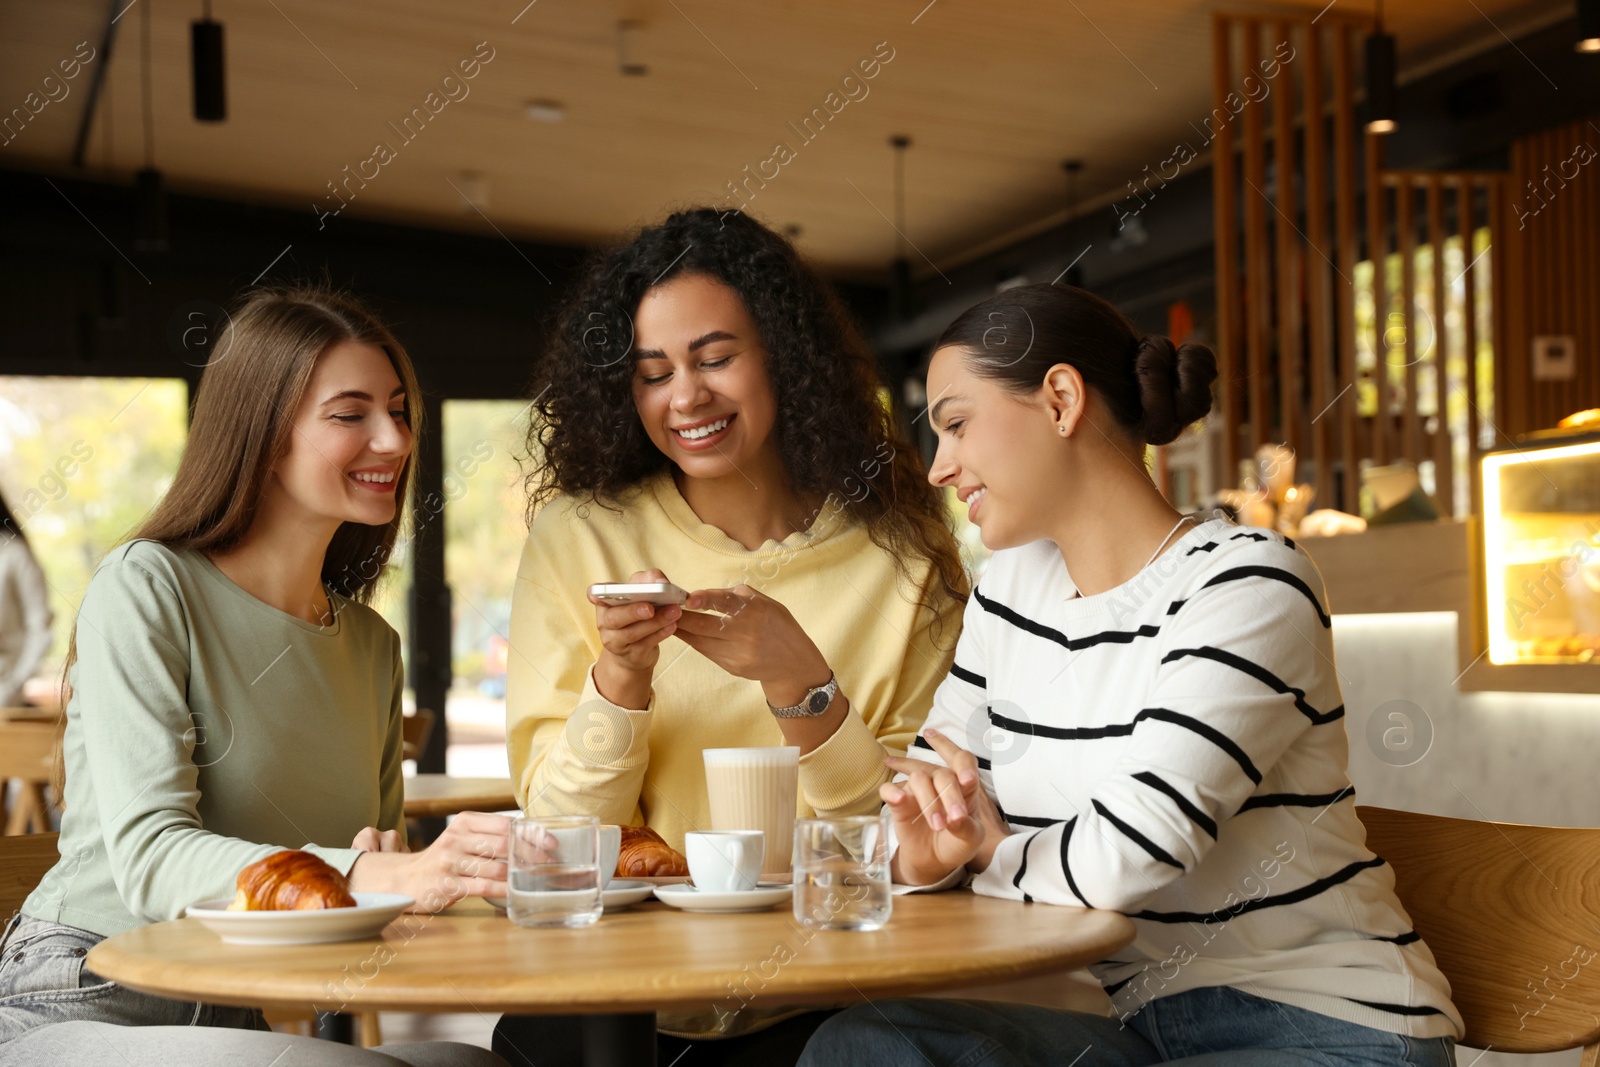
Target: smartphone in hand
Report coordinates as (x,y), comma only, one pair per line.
(637,593)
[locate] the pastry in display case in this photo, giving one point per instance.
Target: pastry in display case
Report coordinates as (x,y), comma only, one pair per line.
(1541,550)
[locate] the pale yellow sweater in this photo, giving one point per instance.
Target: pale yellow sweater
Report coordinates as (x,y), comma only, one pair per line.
(888,642)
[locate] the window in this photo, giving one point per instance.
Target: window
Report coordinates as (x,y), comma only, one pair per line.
(82,461)
(484,533)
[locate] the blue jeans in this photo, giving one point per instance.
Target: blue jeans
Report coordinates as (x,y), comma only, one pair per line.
(1213,1027)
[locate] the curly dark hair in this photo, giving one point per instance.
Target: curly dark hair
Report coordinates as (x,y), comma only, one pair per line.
(834,433)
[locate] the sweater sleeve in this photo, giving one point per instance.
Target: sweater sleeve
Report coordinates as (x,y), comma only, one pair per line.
(32,595)
(841,776)
(571,750)
(129,699)
(1245,669)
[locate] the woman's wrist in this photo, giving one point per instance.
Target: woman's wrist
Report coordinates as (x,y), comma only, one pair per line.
(627,687)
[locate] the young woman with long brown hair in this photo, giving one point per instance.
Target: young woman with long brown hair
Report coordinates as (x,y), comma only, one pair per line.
(706,413)
(232,693)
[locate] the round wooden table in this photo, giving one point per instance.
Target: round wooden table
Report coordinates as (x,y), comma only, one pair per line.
(629,964)
(433,795)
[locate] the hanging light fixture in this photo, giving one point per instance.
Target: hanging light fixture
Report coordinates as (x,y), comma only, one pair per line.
(1380,78)
(1073,275)
(1588,26)
(629,32)
(900,295)
(151,232)
(205,54)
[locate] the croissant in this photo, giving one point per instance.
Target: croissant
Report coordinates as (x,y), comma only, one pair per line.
(291,881)
(645,855)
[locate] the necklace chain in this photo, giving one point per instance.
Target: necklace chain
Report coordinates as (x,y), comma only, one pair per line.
(1164,541)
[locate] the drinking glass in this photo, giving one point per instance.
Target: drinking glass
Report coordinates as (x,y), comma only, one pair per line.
(553,871)
(841,873)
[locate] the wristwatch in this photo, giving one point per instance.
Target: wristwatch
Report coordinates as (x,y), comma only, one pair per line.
(814,703)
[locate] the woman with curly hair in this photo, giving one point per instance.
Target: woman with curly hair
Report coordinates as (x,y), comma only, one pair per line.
(707,412)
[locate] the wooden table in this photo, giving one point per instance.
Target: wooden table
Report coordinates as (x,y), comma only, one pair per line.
(631,963)
(432,795)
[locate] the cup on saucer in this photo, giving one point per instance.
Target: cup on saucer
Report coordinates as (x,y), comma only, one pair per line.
(722,861)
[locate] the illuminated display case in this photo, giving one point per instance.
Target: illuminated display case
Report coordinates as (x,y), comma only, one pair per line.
(1541,551)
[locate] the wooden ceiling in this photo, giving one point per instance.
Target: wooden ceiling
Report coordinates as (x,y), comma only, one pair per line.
(993,97)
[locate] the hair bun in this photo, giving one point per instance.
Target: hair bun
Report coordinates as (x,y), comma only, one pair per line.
(1174,385)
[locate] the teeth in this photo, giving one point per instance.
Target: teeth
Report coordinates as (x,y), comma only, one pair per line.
(704,431)
(972,501)
(381,479)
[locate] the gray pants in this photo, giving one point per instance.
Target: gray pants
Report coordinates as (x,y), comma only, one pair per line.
(54,1010)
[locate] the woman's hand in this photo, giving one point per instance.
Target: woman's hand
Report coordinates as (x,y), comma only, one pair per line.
(467,860)
(942,817)
(630,639)
(754,637)
(371,839)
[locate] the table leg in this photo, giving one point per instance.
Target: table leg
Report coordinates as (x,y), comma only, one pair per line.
(336,1026)
(619,1040)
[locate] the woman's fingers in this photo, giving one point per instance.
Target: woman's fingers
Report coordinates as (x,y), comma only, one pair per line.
(958,759)
(368,840)
(623,639)
(726,601)
(948,790)
(907,765)
(927,795)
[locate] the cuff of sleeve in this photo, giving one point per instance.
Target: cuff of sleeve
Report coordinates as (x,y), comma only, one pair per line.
(959,876)
(995,879)
(844,772)
(602,733)
(340,859)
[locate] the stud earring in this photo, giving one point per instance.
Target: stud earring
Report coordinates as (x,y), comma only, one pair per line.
(1063,430)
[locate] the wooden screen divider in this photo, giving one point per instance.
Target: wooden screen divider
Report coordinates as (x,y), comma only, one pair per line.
(1299,363)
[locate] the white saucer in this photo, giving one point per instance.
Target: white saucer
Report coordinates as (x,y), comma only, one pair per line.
(621,893)
(373,911)
(687,897)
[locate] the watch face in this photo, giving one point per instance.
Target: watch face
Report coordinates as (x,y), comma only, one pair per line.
(818,703)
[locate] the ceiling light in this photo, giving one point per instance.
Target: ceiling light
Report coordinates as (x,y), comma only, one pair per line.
(1588,26)
(1380,78)
(210,86)
(546,110)
(629,32)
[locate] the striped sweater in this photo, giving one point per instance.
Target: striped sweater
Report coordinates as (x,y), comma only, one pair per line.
(1174,749)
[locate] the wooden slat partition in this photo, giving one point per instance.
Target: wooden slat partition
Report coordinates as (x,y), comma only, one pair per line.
(1224,193)
(1551,277)
(1289,334)
(1344,202)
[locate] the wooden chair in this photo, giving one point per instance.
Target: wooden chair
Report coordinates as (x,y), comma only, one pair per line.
(27,753)
(418,727)
(1509,912)
(23,863)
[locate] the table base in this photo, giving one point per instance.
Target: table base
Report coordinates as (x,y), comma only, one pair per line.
(619,1040)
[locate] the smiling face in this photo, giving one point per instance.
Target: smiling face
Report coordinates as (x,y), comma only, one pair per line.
(700,378)
(1001,451)
(349,440)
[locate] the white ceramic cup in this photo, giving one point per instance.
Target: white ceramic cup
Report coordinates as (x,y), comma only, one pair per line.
(610,848)
(722,861)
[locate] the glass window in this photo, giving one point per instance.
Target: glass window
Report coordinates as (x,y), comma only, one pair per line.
(82,461)
(484,533)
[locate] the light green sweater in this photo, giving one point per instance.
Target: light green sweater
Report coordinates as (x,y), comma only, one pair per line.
(206,730)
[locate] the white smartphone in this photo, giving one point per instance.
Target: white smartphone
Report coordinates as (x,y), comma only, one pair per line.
(638,593)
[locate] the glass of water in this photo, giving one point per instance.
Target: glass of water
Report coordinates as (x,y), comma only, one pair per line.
(841,873)
(553,871)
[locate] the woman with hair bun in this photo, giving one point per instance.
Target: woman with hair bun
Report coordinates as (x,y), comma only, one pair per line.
(1161,734)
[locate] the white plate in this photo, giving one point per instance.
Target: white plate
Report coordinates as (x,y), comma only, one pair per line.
(621,893)
(373,911)
(689,898)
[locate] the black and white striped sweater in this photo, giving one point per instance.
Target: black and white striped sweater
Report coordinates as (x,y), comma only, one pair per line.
(1174,749)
